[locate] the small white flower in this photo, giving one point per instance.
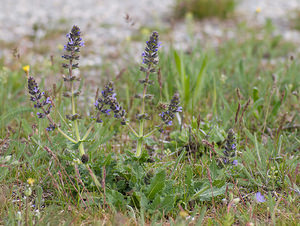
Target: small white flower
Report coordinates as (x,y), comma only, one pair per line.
(19,216)
(37,213)
(28,192)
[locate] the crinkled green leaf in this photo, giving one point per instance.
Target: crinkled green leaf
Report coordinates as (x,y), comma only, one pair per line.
(157,184)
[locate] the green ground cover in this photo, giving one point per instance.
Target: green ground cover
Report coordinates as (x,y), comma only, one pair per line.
(230,157)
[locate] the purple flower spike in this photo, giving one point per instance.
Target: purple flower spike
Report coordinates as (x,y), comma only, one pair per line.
(169,123)
(48,101)
(150,56)
(259,197)
(39,98)
(109,100)
(36,89)
(230,147)
(168,115)
(72,48)
(235,162)
(71,42)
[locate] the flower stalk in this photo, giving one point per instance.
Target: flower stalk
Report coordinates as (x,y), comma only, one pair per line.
(108,104)
(44,103)
(230,148)
(150,59)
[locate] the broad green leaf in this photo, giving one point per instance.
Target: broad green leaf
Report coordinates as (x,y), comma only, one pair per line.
(167,204)
(157,184)
(116,199)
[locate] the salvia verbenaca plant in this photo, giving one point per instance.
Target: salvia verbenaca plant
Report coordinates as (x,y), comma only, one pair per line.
(230,148)
(72,49)
(150,61)
(108,104)
(44,103)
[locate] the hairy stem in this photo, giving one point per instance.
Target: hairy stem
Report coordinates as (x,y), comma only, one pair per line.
(59,130)
(149,134)
(132,130)
(66,136)
(88,131)
(141,129)
(139,147)
(81,148)
(74,112)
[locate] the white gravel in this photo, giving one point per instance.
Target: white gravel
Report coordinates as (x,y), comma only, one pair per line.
(104,25)
(279,11)
(17,17)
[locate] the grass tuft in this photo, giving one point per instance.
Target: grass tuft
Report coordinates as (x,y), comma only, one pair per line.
(205,8)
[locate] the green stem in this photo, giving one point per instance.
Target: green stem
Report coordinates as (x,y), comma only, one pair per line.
(59,130)
(149,134)
(88,131)
(132,130)
(74,112)
(66,136)
(81,148)
(62,118)
(141,129)
(139,147)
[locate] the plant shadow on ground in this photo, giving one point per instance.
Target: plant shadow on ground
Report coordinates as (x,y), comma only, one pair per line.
(185,175)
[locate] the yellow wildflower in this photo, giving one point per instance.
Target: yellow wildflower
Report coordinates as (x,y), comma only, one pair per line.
(26,68)
(145,31)
(30,181)
(60,47)
(258,10)
(128,38)
(183,214)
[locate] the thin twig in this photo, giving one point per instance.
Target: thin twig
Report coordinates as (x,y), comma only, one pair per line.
(243,111)
(212,193)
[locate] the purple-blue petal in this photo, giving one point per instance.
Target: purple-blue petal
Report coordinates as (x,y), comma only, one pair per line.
(259,197)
